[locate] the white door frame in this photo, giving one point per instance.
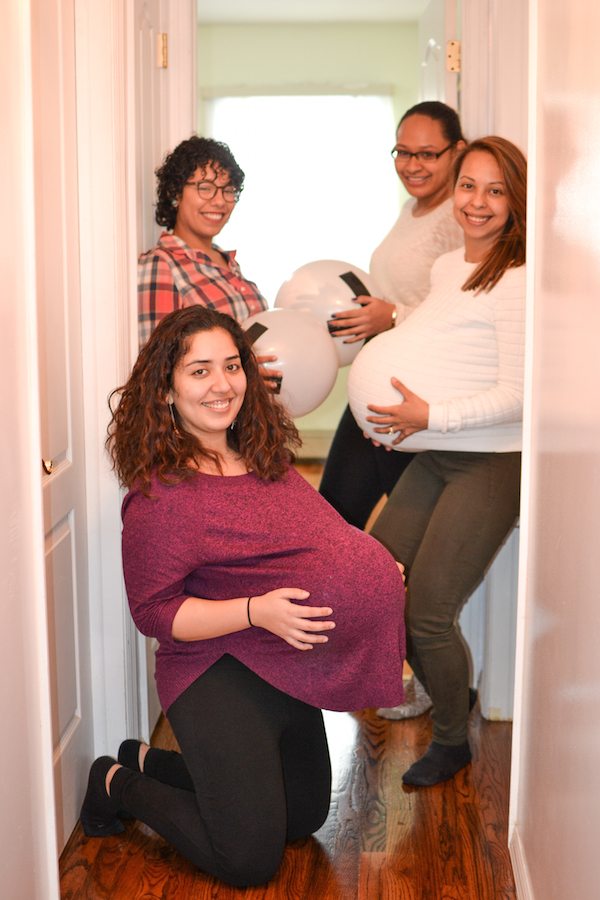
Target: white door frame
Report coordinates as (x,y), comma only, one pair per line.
(109,216)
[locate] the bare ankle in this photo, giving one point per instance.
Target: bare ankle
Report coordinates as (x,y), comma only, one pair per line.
(109,776)
(142,755)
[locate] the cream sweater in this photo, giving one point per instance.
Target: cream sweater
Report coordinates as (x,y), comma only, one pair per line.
(401,264)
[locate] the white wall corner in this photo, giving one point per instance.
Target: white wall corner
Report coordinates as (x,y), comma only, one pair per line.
(475,77)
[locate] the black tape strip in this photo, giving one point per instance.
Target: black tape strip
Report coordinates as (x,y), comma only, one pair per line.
(255,331)
(355,284)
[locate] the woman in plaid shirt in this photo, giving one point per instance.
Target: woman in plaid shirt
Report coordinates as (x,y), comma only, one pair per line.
(199,184)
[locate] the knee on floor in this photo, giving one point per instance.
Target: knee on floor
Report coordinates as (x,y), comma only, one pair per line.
(247,867)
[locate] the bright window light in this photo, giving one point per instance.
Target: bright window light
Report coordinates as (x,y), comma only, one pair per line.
(320,182)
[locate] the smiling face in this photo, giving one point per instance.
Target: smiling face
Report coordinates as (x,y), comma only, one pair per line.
(199,221)
(209,385)
(481,205)
(429,182)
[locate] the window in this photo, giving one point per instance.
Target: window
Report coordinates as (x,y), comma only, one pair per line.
(320,183)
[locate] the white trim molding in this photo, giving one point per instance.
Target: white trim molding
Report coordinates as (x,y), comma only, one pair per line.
(107,280)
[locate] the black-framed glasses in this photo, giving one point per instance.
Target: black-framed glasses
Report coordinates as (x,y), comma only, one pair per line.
(420,155)
(207,190)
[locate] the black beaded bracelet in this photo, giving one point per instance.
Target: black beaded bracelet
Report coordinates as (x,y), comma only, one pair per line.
(248,612)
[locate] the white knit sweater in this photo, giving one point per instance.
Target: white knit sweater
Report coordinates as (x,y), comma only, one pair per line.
(401,264)
(460,351)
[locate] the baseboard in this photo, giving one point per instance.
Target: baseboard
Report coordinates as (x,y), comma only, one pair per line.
(315,443)
(520,870)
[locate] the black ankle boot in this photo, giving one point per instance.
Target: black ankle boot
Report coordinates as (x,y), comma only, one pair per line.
(129,754)
(439,763)
(99,811)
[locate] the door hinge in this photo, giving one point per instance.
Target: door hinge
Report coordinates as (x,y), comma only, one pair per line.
(453,56)
(162,50)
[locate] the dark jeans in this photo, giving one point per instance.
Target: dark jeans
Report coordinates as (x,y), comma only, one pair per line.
(253,773)
(445,520)
(357,474)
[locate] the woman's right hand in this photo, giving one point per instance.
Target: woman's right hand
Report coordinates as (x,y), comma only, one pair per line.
(277,613)
(271,377)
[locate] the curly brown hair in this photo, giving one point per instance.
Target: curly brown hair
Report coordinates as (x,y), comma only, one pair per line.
(509,250)
(142,439)
(180,164)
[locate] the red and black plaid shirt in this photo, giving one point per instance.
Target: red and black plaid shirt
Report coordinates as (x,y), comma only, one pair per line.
(172,275)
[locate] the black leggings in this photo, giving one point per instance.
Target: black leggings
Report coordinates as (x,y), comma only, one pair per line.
(357,474)
(253,773)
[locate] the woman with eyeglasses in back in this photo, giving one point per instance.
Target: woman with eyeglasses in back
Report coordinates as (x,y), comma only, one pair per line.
(357,474)
(198,186)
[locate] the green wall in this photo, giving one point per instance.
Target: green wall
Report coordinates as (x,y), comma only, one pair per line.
(305,58)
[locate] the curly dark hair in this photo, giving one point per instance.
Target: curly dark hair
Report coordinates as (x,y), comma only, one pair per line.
(142,439)
(181,163)
(510,248)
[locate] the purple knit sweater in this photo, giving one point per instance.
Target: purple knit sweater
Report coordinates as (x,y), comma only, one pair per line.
(222,537)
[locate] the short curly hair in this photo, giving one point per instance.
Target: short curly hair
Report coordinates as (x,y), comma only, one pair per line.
(178,165)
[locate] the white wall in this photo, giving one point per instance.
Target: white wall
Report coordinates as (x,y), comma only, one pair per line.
(493,79)
(555,808)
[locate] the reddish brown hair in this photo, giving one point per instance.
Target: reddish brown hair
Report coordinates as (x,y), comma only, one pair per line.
(141,436)
(509,250)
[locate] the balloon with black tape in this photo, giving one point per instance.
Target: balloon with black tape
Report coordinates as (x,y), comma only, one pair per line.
(324,287)
(305,355)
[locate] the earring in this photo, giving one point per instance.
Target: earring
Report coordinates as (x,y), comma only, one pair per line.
(174,204)
(232,426)
(175,428)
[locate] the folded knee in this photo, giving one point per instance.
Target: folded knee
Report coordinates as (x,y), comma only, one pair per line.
(246,868)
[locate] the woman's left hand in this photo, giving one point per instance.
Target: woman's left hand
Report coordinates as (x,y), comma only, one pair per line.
(405,419)
(272,377)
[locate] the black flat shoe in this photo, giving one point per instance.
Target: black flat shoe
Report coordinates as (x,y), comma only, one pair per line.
(438,764)
(99,811)
(129,754)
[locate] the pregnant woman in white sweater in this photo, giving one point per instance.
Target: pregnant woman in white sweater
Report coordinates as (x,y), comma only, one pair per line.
(459,378)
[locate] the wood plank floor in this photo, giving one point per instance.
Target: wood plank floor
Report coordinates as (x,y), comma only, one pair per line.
(381,841)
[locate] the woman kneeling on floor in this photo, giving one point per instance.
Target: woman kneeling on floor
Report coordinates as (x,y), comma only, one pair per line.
(266,604)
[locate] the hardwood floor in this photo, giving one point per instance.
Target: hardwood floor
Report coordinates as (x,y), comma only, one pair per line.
(381,841)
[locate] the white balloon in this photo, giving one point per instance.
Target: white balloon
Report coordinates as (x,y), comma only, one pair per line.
(318,288)
(369,382)
(305,355)
(394,354)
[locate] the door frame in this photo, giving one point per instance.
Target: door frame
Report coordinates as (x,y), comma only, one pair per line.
(110,217)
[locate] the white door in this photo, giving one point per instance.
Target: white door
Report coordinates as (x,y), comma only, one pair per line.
(62,467)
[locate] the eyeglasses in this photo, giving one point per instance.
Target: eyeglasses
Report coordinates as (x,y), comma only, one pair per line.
(207,190)
(420,155)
